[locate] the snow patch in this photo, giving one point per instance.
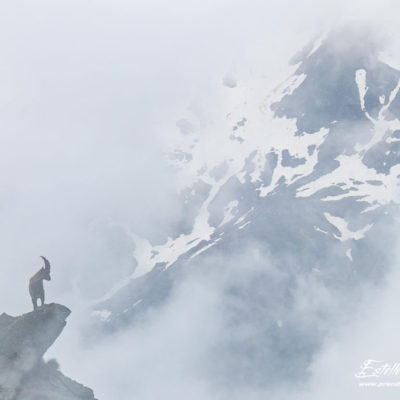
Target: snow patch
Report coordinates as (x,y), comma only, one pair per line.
(342,226)
(205,248)
(133,306)
(245,224)
(244,216)
(317,43)
(229,213)
(361,80)
(320,230)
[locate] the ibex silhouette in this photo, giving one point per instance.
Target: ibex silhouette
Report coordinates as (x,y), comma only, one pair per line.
(36,283)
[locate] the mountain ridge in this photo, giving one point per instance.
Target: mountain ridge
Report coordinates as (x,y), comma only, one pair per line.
(308,177)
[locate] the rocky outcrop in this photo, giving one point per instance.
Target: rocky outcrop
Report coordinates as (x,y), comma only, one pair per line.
(23,373)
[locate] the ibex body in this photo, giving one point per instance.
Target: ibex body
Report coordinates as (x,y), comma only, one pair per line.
(36,289)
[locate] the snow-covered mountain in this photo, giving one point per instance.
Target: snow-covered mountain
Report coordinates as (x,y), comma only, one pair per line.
(302,180)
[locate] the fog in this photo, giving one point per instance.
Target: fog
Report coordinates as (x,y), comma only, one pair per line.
(190,347)
(87,90)
(90,92)
(89,95)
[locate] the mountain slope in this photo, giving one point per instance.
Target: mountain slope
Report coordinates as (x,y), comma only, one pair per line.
(299,187)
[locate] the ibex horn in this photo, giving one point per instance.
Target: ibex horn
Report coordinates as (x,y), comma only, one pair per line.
(46,263)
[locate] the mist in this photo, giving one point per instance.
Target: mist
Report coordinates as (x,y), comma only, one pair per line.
(90,96)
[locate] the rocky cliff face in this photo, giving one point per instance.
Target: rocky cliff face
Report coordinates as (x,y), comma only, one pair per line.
(23,373)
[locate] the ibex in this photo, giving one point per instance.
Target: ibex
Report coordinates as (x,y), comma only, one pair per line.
(36,283)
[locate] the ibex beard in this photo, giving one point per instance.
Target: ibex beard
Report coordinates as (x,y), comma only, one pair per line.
(36,289)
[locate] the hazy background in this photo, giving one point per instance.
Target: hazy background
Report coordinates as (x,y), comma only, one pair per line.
(89,91)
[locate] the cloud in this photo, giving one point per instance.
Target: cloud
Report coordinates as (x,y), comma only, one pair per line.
(371,333)
(89,93)
(235,326)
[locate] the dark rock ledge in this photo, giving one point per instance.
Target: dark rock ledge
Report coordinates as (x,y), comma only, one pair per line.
(23,373)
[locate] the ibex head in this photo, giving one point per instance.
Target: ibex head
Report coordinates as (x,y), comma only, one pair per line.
(46,269)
